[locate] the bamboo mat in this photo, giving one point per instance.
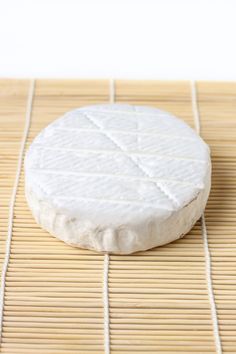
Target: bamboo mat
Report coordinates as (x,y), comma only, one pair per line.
(159,299)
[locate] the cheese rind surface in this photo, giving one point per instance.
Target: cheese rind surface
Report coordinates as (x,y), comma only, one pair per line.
(117,178)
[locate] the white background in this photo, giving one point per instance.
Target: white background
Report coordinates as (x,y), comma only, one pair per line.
(152,39)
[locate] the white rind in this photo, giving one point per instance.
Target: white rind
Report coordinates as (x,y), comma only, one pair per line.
(94,184)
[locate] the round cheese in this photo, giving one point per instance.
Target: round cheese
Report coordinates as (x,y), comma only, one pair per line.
(117,178)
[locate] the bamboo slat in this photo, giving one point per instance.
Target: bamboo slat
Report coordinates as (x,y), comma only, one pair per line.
(159,300)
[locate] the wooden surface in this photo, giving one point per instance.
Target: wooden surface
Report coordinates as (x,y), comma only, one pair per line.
(159,301)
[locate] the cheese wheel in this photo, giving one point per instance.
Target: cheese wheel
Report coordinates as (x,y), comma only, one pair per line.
(117,178)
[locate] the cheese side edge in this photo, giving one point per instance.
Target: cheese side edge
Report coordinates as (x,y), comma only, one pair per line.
(124,240)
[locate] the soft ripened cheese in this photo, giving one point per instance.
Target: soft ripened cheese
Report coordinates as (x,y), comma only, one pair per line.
(117,178)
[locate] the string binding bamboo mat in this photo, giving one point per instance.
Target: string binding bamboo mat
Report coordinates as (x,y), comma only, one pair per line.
(159,300)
